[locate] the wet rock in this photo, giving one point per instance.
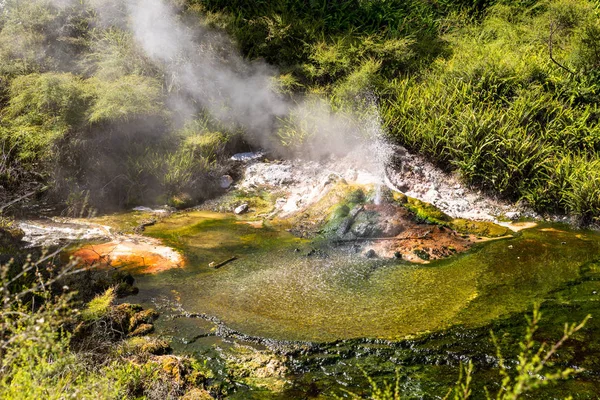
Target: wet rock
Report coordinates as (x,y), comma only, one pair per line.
(142,317)
(125,289)
(403,186)
(344,226)
(269,174)
(317,253)
(371,254)
(142,209)
(363,229)
(225,181)
(422,254)
(11,237)
(241,209)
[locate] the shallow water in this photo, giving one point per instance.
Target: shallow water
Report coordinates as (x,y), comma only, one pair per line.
(355,314)
(281,288)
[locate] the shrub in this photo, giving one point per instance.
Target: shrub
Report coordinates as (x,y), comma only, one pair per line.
(126,98)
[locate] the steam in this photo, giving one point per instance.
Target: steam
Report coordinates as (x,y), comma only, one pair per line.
(204,72)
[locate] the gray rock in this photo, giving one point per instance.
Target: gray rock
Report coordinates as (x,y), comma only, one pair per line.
(225,181)
(241,209)
(250,156)
(371,254)
(344,226)
(403,186)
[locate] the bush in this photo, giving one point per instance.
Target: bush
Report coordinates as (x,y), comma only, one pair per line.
(126,98)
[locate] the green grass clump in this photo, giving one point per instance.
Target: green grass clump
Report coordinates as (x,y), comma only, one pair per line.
(125,98)
(99,306)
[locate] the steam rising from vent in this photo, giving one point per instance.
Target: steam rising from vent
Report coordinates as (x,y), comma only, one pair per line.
(204,71)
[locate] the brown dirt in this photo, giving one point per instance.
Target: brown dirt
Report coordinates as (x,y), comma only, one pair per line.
(422,243)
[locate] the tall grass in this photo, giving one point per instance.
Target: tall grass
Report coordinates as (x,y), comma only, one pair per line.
(504,114)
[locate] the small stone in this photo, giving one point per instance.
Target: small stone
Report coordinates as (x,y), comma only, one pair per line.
(397,255)
(241,209)
(249,156)
(432,194)
(510,246)
(402,186)
(370,253)
(225,181)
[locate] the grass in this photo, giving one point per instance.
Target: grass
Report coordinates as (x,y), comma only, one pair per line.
(506,93)
(472,86)
(99,306)
(504,114)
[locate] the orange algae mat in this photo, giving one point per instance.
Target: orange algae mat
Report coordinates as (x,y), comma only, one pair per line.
(142,254)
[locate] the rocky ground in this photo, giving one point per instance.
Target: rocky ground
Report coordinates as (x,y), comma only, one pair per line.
(304,193)
(404,172)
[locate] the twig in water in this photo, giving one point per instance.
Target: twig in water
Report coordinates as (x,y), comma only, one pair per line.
(219,265)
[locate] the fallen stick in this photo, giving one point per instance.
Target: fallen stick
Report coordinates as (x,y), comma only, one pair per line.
(219,265)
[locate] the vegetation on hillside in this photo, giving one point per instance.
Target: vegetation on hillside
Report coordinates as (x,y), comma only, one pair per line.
(504,92)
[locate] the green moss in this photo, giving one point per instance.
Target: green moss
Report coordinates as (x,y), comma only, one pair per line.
(260,202)
(100,306)
(357,196)
(425,212)
(205,237)
(125,222)
(479,228)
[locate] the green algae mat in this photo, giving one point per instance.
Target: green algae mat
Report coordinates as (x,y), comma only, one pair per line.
(282,287)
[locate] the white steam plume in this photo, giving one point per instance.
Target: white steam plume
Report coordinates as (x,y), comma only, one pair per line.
(205,71)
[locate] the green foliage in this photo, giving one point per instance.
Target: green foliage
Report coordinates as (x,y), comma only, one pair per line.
(533,362)
(506,115)
(128,97)
(532,369)
(201,139)
(37,36)
(114,54)
(38,356)
(99,306)
(324,41)
(41,109)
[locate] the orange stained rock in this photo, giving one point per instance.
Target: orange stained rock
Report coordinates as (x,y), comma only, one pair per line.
(138,253)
